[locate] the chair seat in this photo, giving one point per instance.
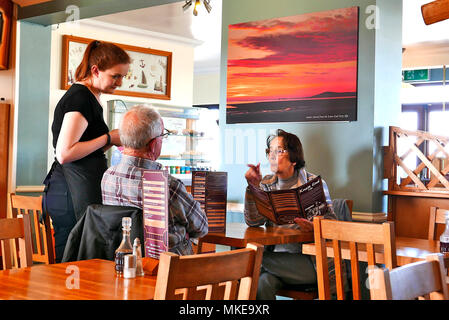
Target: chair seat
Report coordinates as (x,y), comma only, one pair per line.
(301,287)
(299,291)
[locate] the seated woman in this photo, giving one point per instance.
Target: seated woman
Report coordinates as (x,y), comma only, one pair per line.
(283,264)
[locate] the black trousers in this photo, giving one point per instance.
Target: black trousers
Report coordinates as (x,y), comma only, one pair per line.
(58,204)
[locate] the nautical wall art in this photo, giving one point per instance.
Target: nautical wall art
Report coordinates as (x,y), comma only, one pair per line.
(294,69)
(149,73)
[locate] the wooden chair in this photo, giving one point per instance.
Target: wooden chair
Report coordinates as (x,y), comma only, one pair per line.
(437,216)
(355,233)
(211,276)
(16,228)
(305,292)
(424,280)
(42,238)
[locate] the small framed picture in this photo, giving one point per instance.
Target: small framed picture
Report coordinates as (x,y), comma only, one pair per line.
(149,74)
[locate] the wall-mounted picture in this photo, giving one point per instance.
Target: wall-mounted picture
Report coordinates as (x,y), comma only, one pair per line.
(149,73)
(294,69)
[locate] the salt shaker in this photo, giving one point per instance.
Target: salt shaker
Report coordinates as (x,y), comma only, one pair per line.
(129,268)
(138,253)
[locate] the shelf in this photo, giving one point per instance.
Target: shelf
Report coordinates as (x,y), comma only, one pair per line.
(189,136)
(182,158)
(426,194)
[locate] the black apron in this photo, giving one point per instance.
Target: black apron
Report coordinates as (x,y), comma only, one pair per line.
(83,178)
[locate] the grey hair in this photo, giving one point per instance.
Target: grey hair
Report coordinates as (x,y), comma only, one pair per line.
(139,125)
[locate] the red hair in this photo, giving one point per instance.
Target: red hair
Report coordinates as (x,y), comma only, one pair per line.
(105,55)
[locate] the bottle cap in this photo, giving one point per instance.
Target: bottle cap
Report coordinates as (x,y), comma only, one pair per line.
(126,222)
(136,242)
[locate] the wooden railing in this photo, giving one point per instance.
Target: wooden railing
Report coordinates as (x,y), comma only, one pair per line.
(418,178)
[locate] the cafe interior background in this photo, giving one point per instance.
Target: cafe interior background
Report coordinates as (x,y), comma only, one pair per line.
(347,154)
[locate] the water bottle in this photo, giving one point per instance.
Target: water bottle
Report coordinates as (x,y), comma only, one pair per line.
(444,238)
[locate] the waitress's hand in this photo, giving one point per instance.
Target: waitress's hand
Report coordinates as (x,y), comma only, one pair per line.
(253,175)
(115,138)
(306,225)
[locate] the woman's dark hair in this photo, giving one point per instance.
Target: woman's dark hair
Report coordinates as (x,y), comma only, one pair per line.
(105,55)
(292,144)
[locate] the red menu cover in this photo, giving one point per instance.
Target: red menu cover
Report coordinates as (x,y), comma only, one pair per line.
(155,212)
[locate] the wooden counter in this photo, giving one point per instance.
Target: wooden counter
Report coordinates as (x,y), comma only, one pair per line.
(410,212)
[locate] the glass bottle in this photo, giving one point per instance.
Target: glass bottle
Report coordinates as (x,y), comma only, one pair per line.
(125,246)
(444,238)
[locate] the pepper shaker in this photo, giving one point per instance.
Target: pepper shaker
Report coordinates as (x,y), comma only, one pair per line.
(138,253)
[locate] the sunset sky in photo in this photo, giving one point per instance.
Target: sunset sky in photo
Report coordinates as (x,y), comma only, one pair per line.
(293,57)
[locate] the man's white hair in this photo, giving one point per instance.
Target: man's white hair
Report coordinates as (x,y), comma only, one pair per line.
(139,125)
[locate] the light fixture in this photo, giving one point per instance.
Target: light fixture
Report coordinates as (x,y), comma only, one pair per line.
(435,11)
(188,4)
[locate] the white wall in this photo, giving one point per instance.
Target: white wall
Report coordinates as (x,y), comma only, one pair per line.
(206,88)
(182,62)
(425,55)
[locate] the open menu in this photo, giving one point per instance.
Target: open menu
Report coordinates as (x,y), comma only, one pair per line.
(209,188)
(155,212)
(283,206)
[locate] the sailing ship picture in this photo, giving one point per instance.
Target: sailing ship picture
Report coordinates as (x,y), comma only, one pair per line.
(149,72)
(294,69)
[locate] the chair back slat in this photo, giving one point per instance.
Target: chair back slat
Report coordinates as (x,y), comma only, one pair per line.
(356,292)
(338,269)
(357,236)
(371,254)
(206,276)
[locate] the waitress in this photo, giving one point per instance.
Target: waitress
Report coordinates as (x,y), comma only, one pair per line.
(80,138)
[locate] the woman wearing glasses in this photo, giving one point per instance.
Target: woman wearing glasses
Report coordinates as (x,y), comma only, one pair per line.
(282,264)
(80,138)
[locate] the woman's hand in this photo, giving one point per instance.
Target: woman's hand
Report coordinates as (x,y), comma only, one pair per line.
(253,175)
(115,138)
(306,225)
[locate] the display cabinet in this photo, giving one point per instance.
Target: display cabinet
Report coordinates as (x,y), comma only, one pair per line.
(182,149)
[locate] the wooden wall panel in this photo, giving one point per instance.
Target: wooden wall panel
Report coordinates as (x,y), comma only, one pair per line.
(4,147)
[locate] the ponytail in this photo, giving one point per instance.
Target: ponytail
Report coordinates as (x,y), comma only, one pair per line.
(105,55)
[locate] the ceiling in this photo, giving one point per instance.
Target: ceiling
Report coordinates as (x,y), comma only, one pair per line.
(171,19)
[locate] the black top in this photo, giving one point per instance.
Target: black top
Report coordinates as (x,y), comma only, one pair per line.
(79,98)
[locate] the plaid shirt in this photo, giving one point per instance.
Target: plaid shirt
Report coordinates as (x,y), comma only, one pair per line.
(122,185)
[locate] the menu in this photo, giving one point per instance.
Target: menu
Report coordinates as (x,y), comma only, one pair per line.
(283,206)
(155,212)
(209,188)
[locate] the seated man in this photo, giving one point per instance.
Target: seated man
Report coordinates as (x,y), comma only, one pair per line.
(141,133)
(283,264)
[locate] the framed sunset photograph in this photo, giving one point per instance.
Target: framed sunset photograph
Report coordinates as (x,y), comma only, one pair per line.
(294,69)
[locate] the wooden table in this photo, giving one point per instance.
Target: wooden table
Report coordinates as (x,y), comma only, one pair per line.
(239,235)
(408,250)
(97,281)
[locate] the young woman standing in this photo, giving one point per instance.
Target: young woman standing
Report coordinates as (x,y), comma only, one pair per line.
(80,138)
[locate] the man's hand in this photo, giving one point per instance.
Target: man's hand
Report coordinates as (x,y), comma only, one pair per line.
(253,175)
(306,225)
